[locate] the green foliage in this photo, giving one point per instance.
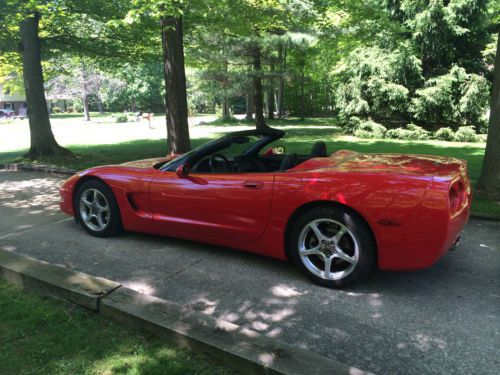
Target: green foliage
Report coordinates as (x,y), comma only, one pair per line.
(456,98)
(120,118)
(444,134)
(56,109)
(411,132)
(465,134)
(372,83)
(370,129)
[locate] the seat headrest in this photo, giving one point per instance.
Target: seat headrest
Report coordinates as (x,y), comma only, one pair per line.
(319,149)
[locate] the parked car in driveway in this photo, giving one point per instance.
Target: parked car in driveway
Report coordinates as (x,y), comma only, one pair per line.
(7,113)
(336,215)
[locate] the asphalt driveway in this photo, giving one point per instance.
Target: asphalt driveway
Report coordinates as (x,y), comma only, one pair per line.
(442,320)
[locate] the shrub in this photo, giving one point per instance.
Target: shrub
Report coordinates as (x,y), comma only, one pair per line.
(399,133)
(70,109)
(56,110)
(444,134)
(121,118)
(482,137)
(370,129)
(465,134)
(411,133)
(352,124)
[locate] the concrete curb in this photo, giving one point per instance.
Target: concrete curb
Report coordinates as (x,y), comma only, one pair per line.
(37,168)
(60,282)
(241,349)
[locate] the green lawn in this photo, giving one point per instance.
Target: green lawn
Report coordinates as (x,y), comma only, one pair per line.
(300,135)
(44,336)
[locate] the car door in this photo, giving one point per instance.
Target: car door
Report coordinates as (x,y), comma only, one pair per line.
(219,205)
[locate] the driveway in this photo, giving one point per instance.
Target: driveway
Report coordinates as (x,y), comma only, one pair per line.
(442,320)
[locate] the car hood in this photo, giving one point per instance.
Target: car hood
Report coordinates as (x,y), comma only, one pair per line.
(425,165)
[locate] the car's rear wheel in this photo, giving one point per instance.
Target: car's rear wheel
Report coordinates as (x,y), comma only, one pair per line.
(97,209)
(333,246)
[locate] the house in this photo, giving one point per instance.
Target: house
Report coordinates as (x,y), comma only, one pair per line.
(15,101)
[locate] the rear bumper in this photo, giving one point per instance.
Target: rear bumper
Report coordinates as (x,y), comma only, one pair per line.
(419,252)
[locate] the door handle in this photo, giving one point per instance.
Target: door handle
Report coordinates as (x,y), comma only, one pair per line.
(253,184)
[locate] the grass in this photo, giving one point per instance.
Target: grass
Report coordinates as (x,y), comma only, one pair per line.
(44,336)
(300,135)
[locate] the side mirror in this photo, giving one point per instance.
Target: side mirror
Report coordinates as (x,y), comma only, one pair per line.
(182,170)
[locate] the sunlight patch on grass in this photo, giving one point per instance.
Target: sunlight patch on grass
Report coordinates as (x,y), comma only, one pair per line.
(44,336)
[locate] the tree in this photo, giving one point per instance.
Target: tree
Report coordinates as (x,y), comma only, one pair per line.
(43,142)
(58,26)
(489,180)
(175,84)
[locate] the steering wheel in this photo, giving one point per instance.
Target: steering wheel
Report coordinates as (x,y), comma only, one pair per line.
(212,162)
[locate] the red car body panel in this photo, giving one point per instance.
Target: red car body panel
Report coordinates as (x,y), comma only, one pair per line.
(405,199)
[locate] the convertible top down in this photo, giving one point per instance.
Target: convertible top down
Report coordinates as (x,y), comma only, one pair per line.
(335,215)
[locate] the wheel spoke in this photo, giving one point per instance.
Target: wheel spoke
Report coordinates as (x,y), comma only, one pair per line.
(100,221)
(328,266)
(341,255)
(339,234)
(86,202)
(88,218)
(320,236)
(102,208)
(313,251)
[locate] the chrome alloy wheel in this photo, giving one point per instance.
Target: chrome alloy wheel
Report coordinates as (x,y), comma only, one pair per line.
(94,209)
(328,249)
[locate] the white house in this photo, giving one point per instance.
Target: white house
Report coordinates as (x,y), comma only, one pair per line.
(15,101)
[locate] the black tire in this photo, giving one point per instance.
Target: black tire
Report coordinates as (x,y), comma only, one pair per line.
(112,219)
(357,236)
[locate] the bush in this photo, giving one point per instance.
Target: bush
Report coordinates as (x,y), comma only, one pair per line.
(482,137)
(70,109)
(56,110)
(370,129)
(399,133)
(465,134)
(411,133)
(352,124)
(444,134)
(121,118)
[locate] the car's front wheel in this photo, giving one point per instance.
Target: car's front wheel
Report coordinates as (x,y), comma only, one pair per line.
(333,246)
(97,209)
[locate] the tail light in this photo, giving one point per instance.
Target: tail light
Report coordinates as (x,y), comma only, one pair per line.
(457,196)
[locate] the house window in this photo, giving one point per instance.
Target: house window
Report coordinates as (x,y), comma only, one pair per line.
(8,106)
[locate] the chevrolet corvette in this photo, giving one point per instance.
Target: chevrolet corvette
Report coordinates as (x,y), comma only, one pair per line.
(334,215)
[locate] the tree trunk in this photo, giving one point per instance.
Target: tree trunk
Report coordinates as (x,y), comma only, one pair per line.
(302,93)
(489,181)
(225,107)
(43,142)
(250,105)
(85,93)
(100,106)
(260,122)
(178,141)
(270,94)
(281,85)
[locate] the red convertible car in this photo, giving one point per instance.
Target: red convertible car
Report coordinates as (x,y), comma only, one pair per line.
(335,215)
